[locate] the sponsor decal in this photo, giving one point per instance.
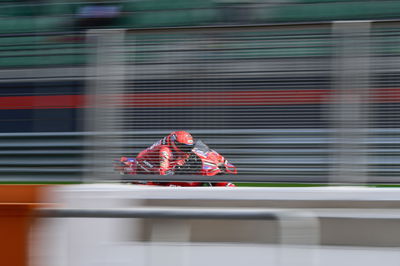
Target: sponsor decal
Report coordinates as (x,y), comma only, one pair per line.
(165,154)
(141,166)
(210,164)
(148,164)
(200,152)
(155,145)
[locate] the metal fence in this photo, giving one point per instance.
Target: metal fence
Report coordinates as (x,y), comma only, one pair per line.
(304,103)
(290,102)
(42,79)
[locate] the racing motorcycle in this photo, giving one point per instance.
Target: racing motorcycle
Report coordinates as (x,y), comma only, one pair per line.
(201,161)
(205,161)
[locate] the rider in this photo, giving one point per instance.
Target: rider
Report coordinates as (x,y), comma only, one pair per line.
(165,154)
(162,157)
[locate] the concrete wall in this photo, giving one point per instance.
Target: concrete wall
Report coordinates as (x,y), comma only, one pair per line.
(350,223)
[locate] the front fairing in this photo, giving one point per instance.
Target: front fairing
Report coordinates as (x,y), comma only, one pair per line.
(211,160)
(205,161)
(210,165)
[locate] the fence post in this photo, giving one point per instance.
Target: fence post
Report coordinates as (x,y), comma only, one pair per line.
(351,74)
(105,85)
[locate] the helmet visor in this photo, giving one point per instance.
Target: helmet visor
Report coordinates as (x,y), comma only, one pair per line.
(186,148)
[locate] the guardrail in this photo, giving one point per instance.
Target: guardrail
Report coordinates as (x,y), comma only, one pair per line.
(292,226)
(291,222)
(299,141)
(269,155)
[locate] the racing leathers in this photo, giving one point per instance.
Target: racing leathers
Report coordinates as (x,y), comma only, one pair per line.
(159,159)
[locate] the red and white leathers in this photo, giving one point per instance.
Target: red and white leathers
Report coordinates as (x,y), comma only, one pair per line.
(164,155)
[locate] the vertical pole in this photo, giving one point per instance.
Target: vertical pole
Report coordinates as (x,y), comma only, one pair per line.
(299,228)
(105,85)
(351,72)
(163,231)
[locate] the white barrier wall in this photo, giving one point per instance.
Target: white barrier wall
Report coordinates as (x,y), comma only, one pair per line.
(288,241)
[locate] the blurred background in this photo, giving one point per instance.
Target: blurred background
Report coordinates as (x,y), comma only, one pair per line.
(292,92)
(289,91)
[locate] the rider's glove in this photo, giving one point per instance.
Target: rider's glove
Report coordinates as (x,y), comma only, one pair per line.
(169,172)
(125,165)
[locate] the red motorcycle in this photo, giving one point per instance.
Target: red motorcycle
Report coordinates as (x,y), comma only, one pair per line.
(202,161)
(205,161)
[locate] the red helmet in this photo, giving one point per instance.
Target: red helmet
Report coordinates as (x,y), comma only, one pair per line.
(181,141)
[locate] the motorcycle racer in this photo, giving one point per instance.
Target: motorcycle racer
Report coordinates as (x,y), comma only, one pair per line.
(165,154)
(174,153)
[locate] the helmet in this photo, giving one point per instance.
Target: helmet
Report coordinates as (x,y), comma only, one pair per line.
(181,141)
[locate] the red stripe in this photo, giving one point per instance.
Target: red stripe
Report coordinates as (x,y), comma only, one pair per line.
(188,99)
(226,98)
(42,102)
(387,95)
